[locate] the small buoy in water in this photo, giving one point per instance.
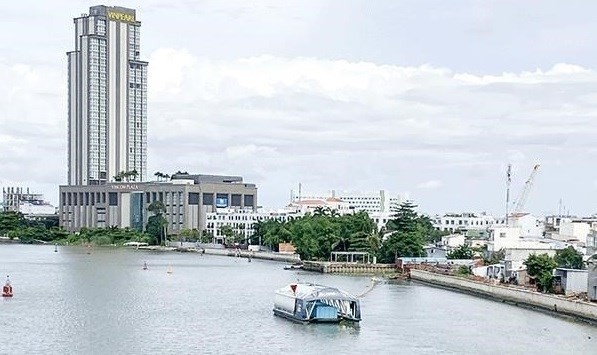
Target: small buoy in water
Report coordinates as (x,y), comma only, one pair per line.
(145,265)
(7,288)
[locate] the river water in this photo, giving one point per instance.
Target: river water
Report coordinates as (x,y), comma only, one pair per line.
(104,303)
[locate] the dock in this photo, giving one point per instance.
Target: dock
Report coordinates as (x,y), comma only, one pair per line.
(328,267)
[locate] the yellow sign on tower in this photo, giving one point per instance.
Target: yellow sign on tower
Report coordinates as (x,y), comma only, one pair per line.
(121,17)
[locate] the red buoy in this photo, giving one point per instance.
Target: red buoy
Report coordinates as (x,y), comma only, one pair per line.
(7,289)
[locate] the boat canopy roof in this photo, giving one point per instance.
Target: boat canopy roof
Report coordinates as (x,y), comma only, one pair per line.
(311,292)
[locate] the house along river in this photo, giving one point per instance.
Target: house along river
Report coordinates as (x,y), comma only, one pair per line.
(104,303)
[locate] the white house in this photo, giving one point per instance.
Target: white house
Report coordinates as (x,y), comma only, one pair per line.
(530,225)
(453,240)
(573,230)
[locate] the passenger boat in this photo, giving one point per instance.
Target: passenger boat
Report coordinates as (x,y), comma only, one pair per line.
(310,303)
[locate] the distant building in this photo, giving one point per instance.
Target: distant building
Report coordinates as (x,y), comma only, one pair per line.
(463,222)
(370,202)
(187,202)
(242,222)
(528,224)
(511,237)
(107,97)
(31,205)
(452,241)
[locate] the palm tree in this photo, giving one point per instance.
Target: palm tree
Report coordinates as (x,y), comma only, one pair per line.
(134,173)
(319,211)
(159,175)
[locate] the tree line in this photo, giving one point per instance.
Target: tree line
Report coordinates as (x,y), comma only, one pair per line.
(315,235)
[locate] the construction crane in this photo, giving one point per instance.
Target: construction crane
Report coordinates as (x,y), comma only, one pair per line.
(524,195)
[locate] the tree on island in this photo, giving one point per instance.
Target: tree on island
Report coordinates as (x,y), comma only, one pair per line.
(569,258)
(541,268)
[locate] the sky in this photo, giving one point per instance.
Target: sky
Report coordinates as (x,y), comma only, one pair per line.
(429,99)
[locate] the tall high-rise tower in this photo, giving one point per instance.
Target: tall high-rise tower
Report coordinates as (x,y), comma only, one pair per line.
(107,98)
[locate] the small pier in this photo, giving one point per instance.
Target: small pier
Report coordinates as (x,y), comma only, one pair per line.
(328,267)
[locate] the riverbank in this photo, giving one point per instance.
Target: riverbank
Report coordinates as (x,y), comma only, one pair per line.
(552,304)
(262,255)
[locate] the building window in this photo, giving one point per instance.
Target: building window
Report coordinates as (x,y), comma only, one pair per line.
(193,198)
(208,199)
(236,200)
(113,198)
(249,201)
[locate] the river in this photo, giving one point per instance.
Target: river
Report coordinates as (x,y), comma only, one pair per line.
(70,302)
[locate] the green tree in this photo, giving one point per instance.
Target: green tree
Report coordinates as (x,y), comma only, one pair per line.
(462,252)
(495,258)
(156,223)
(228,233)
(10,221)
(206,236)
(191,235)
(407,239)
(541,268)
(569,258)
(405,219)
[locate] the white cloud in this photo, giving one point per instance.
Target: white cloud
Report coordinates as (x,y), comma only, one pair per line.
(331,124)
(430,184)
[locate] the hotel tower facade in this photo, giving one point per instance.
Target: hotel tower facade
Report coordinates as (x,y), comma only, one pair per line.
(107,98)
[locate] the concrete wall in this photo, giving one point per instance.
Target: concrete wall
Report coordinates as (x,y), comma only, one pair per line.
(592,282)
(584,310)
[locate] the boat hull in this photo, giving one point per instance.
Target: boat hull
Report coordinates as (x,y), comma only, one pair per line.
(293,318)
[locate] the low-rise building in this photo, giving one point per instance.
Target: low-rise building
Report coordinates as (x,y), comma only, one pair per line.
(434,251)
(571,280)
(242,222)
(452,241)
(124,205)
(453,222)
(370,202)
(528,224)
(31,205)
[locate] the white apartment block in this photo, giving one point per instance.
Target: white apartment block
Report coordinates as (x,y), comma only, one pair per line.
(241,221)
(107,97)
(453,222)
(370,202)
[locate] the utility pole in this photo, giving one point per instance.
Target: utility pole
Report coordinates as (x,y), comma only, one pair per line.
(508,181)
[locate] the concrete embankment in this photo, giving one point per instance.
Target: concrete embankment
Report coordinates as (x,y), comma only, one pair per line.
(348,268)
(575,308)
(289,258)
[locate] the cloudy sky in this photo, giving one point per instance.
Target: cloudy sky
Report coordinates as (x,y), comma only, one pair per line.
(429,98)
